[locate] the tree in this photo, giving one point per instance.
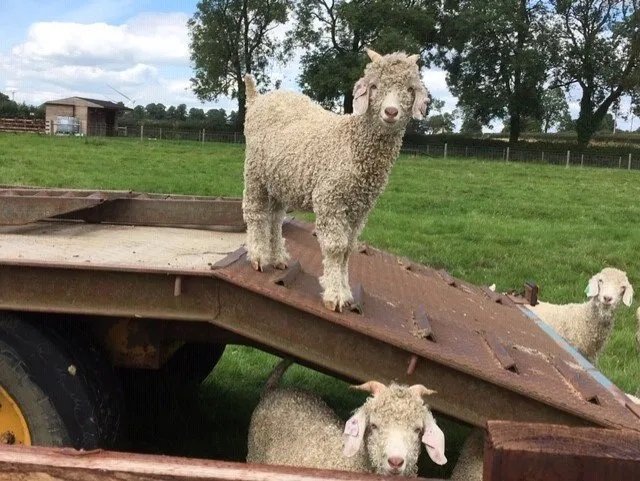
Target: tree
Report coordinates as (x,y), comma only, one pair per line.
(230,38)
(333,34)
(600,52)
(554,108)
(606,125)
(171,113)
(181,112)
(156,111)
(498,57)
(470,124)
(139,112)
(196,114)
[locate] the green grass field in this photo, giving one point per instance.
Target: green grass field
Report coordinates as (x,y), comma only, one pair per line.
(483,221)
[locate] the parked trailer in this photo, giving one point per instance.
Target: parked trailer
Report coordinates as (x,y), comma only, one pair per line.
(150,277)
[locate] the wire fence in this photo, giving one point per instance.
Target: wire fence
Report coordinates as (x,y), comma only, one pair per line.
(565,158)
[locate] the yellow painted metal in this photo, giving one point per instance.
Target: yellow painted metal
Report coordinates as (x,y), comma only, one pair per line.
(13,425)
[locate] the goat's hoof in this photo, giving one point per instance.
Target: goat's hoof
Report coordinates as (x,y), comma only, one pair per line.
(333,306)
(280,266)
(256,266)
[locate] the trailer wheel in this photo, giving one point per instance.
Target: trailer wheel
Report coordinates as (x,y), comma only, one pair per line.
(44,385)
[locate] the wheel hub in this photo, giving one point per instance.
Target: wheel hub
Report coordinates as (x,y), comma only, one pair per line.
(13,426)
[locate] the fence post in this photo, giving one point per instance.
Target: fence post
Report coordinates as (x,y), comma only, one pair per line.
(427,149)
(629,166)
(568,157)
(160,133)
(466,151)
(141,131)
(507,156)
(620,162)
(445,150)
(543,156)
(203,134)
(581,160)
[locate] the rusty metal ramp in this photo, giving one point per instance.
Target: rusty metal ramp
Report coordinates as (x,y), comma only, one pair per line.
(486,359)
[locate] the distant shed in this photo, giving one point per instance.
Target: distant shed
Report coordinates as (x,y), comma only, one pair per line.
(82,115)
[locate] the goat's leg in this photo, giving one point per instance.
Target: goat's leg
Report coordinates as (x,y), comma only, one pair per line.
(255,210)
(278,254)
(334,243)
(353,235)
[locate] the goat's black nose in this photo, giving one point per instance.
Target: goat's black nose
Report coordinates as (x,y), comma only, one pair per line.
(395,462)
(608,299)
(391,111)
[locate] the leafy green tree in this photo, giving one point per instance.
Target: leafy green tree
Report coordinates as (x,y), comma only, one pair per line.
(156,111)
(196,114)
(230,38)
(333,34)
(139,112)
(566,123)
(181,112)
(600,53)
(498,57)
(470,124)
(607,123)
(171,113)
(554,108)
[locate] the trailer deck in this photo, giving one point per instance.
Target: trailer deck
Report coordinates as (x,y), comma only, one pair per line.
(98,256)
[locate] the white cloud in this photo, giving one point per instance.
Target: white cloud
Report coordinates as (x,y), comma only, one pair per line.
(150,38)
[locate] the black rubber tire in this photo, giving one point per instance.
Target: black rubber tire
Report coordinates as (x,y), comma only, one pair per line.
(100,378)
(55,383)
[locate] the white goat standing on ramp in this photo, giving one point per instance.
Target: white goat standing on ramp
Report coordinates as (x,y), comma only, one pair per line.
(301,156)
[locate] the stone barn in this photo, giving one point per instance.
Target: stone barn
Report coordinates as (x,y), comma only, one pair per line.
(79,115)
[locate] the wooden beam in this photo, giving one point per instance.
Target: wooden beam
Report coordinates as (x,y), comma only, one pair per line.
(544,452)
(18,463)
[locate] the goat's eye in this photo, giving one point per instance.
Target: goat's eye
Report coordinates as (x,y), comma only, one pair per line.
(373,427)
(374,88)
(418,430)
(624,288)
(410,90)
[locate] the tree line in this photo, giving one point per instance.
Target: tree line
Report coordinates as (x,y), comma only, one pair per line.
(12,109)
(507,60)
(178,116)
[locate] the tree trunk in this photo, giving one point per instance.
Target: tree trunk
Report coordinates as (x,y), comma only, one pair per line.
(515,126)
(242,105)
(584,124)
(347,105)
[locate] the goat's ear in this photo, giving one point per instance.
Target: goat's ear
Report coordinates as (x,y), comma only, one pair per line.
(627,297)
(421,104)
(433,439)
(353,435)
(592,288)
(361,96)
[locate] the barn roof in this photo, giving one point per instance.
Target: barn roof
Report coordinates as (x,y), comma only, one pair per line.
(86,102)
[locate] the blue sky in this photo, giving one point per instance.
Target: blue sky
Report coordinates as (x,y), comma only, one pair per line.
(54,49)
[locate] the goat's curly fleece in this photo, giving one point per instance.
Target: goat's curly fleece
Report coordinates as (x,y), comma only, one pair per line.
(296,428)
(471,459)
(301,156)
(586,326)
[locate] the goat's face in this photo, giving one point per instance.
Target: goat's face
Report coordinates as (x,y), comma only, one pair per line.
(392,424)
(391,90)
(610,286)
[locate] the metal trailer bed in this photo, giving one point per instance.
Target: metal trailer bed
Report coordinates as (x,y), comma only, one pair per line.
(111,255)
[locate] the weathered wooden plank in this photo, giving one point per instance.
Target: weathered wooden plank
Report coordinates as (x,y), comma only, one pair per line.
(47,464)
(544,452)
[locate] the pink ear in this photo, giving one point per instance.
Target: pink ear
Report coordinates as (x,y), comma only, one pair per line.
(360,96)
(433,440)
(354,433)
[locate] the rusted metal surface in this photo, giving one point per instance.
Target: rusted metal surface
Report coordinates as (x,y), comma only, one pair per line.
(516,377)
(531,293)
(23,206)
(457,312)
(19,207)
(421,326)
(38,464)
(541,452)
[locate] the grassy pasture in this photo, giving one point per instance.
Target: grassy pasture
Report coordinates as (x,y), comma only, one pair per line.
(484,221)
